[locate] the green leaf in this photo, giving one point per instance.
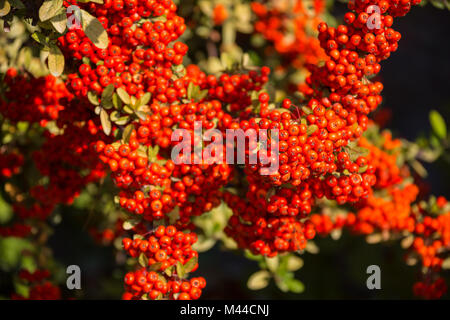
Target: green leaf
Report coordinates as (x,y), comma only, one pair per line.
(122,121)
(419,168)
(114,116)
(192,90)
(93,99)
(49,9)
(295,285)
(152,153)
(108,92)
(11,251)
(55,61)
(106,124)
(294,263)
(311,129)
(438,124)
(6,212)
(5,8)
(180,270)
(363,169)
(94,30)
(169,271)
(59,22)
(188,266)
(127,133)
(203,244)
(155,267)
(438,4)
(145,98)
(143,260)
(39,38)
(123,95)
(354,152)
(272,263)
(117,103)
(141,115)
(251,256)
(128,110)
(17,4)
(259,280)
(306,110)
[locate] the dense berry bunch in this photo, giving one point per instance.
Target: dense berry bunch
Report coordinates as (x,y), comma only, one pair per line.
(166,246)
(24,101)
(41,288)
(312,155)
(291,27)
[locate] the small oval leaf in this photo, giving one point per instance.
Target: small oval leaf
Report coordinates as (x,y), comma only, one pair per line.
(49,9)
(124,96)
(259,280)
(94,30)
(106,123)
(55,61)
(59,22)
(438,124)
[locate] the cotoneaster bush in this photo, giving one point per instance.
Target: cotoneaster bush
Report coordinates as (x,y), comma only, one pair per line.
(122,77)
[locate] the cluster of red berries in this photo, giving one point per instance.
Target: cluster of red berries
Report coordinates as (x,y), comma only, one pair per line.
(149,285)
(290,28)
(24,101)
(318,153)
(394,213)
(167,251)
(131,27)
(40,287)
(166,246)
(10,164)
(233,89)
(269,225)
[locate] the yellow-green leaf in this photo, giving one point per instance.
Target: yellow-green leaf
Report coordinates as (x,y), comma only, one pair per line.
(272,263)
(294,263)
(438,124)
(259,280)
(92,97)
(94,30)
(106,123)
(190,264)
(59,22)
(49,9)
(55,61)
(127,133)
(123,95)
(143,260)
(180,270)
(295,285)
(155,267)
